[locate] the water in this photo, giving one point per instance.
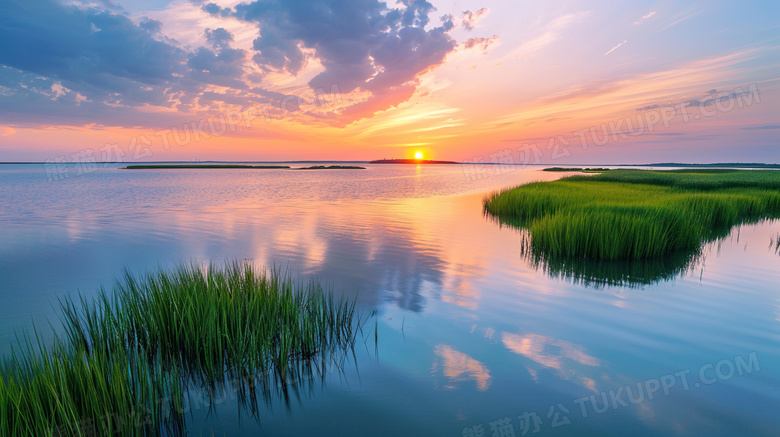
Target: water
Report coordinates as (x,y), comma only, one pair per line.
(470,331)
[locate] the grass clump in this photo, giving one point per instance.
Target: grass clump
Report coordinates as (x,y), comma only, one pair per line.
(125,359)
(208,322)
(636,214)
(63,390)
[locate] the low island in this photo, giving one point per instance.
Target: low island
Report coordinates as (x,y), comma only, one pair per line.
(173,166)
(579,169)
(332,167)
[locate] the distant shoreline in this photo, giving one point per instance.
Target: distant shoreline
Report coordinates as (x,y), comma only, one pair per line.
(414,161)
(237,166)
(205,166)
(410,161)
(717,164)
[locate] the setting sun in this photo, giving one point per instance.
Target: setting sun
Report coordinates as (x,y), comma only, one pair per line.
(418,155)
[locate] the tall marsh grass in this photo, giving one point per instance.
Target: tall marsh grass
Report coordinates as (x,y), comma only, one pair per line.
(635,214)
(139,347)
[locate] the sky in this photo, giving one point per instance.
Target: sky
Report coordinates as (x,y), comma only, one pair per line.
(544,82)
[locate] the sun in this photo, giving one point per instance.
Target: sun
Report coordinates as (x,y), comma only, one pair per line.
(418,155)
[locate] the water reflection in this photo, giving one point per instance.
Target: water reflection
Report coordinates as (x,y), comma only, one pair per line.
(402,252)
(249,396)
(597,273)
(252,395)
(457,367)
(412,243)
(542,350)
(387,235)
(552,353)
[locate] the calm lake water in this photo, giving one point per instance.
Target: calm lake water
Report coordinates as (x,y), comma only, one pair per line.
(473,337)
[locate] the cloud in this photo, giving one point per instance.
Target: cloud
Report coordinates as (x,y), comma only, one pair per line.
(713,97)
(684,15)
(219,38)
(710,98)
(615,48)
(482,43)
(221,66)
(763,127)
(58,90)
(110,73)
(215,9)
(469,20)
(121,70)
(61,42)
(644,17)
(546,35)
(150,25)
(607,99)
(363,45)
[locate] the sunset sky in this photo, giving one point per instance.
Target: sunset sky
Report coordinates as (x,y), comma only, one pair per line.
(590,82)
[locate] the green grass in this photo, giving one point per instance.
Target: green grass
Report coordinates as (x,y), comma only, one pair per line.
(67,390)
(698,179)
(172,166)
(332,167)
(635,214)
(131,353)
